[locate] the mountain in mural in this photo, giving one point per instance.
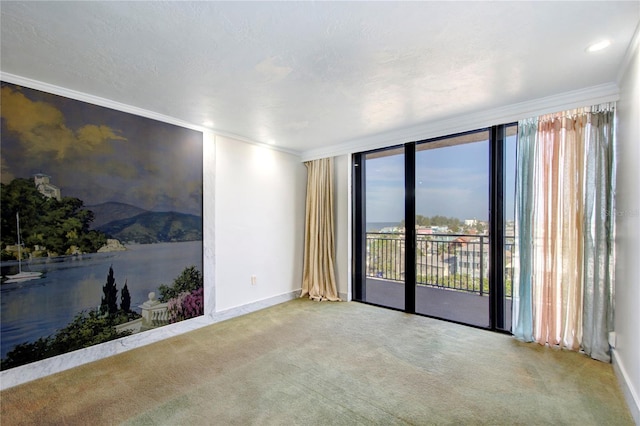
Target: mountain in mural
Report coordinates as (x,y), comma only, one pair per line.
(112,211)
(130,224)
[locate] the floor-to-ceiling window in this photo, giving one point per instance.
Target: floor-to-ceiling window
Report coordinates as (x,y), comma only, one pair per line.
(452,228)
(382,194)
(433,220)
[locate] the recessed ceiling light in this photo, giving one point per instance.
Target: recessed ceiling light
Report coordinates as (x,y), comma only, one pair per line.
(603,44)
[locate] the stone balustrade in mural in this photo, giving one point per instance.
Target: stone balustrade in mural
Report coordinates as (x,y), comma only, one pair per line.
(154,314)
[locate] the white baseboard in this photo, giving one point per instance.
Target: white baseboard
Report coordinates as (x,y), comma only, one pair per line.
(46,367)
(255,306)
(630,394)
(49,366)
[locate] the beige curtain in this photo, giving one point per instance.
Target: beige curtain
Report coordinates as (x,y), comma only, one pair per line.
(318,282)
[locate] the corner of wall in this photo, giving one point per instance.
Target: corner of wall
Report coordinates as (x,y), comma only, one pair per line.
(626,359)
(632,398)
(259,228)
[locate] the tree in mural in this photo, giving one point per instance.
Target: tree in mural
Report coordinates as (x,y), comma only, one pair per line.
(54,227)
(189,280)
(125,299)
(109,303)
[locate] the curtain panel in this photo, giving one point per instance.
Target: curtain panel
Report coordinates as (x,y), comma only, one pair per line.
(318,281)
(564,197)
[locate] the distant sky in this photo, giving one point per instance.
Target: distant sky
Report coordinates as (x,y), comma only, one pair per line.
(450,181)
(99,154)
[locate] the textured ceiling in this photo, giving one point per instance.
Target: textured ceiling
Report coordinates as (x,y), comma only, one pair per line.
(306,75)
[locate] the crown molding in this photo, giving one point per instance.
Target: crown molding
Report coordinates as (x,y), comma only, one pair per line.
(107,103)
(634,46)
(578,98)
(95,100)
(608,92)
(256,143)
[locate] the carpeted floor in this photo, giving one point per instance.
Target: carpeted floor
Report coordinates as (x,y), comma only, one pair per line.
(310,363)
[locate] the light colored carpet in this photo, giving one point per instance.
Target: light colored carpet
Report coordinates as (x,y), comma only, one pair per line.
(308,363)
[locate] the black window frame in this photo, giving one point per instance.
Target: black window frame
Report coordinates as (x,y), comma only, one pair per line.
(497,148)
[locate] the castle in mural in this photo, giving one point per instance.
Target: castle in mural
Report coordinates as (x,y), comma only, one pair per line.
(45,187)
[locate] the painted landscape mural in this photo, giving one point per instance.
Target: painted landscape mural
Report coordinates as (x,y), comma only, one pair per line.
(101,220)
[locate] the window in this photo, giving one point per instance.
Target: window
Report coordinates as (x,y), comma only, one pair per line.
(425,240)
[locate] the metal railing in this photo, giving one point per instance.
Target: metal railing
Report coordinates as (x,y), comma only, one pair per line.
(453,261)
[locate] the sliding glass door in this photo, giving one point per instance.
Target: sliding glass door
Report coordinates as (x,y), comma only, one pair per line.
(383,212)
(433,227)
(452,228)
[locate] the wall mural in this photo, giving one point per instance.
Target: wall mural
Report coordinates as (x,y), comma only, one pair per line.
(101,224)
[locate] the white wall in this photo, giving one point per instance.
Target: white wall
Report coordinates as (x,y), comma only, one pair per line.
(342,207)
(259,223)
(627,244)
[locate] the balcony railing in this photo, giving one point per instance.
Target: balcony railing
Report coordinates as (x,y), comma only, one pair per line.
(453,261)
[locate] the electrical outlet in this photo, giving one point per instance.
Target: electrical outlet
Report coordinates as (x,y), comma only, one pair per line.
(254,280)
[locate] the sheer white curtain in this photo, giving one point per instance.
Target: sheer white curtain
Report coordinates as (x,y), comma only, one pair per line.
(564,203)
(318,281)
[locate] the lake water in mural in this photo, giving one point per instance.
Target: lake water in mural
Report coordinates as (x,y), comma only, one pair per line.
(70,284)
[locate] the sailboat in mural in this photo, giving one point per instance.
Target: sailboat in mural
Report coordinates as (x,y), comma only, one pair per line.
(21,275)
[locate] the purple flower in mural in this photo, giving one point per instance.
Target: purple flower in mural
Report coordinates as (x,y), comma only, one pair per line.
(186,305)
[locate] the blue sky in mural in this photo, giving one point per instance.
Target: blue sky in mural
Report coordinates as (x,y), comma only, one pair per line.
(98,154)
(450,181)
